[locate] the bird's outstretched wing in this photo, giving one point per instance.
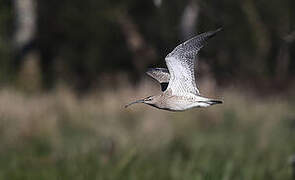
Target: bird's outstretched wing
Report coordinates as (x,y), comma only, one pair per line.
(181,64)
(161,75)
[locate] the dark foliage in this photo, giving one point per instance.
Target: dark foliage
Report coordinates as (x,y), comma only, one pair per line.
(79,41)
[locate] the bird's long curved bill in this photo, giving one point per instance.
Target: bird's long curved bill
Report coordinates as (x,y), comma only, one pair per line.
(138,101)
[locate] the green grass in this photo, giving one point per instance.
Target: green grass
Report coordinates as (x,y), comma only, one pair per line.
(60,136)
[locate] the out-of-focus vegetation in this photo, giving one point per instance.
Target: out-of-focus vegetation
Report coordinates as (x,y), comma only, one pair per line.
(50,50)
(61,136)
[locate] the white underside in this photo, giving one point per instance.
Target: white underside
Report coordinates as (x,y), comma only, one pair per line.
(182,107)
(189,102)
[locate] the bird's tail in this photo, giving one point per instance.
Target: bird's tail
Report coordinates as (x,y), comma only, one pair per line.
(214,101)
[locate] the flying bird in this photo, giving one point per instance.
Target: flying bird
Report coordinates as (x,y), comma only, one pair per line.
(178,83)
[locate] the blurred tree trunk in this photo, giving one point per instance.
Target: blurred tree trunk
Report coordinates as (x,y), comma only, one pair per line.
(260,34)
(25,22)
(282,63)
(283,58)
(27,58)
(143,53)
(189,20)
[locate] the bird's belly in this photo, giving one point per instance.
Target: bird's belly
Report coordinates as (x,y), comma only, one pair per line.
(181,104)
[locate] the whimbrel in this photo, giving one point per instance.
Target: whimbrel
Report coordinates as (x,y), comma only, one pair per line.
(179,88)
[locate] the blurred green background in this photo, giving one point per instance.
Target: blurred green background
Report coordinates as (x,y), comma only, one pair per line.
(68,67)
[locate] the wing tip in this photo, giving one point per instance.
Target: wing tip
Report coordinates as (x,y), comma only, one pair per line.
(219,29)
(214,32)
(149,71)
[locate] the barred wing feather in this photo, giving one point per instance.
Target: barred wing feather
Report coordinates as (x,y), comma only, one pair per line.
(181,64)
(161,75)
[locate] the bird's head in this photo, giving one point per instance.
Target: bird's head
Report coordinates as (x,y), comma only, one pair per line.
(148,100)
